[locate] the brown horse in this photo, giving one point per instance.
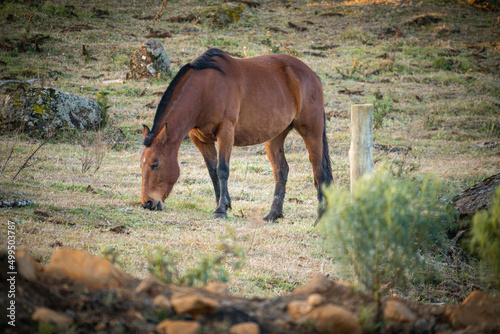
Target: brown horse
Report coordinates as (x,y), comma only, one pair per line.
(235,102)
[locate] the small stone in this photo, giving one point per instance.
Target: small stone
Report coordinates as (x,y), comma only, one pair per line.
(334,319)
(193,304)
(318,284)
(146,285)
(397,311)
(245,328)
(90,270)
(218,288)
(315,299)
(27,267)
(163,302)
(298,308)
(44,315)
(178,327)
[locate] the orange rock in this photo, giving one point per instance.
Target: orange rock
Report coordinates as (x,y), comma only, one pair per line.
(163,302)
(193,304)
(90,270)
(245,328)
(318,284)
(315,299)
(27,267)
(44,315)
(217,288)
(397,311)
(147,285)
(298,309)
(478,310)
(480,298)
(178,327)
(334,319)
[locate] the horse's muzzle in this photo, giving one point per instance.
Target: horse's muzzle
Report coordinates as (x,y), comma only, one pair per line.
(153,206)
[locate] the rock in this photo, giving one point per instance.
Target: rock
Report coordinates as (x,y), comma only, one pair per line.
(318,284)
(334,319)
(397,311)
(218,288)
(178,327)
(91,271)
(326,319)
(223,15)
(44,315)
(315,299)
(245,328)
(27,267)
(478,310)
(147,285)
(149,61)
(298,308)
(192,304)
(163,302)
(42,110)
(481,299)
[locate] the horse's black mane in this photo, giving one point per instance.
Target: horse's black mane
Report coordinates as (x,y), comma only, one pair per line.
(205,61)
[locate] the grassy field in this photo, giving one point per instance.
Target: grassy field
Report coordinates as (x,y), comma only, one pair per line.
(434,81)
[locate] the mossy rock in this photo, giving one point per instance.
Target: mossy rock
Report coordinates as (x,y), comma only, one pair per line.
(223,15)
(149,61)
(39,110)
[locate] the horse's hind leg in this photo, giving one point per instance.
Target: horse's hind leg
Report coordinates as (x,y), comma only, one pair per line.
(210,156)
(314,136)
(276,152)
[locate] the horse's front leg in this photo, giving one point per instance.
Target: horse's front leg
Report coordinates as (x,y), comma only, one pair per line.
(225,141)
(209,154)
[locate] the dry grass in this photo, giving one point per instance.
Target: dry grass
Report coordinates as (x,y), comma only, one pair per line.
(444,87)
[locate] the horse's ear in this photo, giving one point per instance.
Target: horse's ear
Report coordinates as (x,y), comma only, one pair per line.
(163,139)
(145,131)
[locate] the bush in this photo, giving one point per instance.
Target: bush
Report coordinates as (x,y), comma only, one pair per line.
(486,234)
(385,228)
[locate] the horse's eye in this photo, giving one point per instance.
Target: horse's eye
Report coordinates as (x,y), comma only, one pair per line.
(153,166)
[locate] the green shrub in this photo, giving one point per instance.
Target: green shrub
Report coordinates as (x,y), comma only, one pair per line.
(486,234)
(385,229)
(381,108)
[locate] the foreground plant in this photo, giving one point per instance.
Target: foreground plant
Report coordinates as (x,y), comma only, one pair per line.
(386,228)
(165,265)
(486,235)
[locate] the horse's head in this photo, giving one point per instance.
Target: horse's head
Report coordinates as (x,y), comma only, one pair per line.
(160,169)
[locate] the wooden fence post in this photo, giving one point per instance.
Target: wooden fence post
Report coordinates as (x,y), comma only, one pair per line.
(361,152)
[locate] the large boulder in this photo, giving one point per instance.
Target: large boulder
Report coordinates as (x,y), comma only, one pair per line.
(40,110)
(149,61)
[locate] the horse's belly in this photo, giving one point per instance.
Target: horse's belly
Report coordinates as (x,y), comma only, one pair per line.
(261,126)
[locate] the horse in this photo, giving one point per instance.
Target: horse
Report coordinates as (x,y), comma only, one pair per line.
(235,102)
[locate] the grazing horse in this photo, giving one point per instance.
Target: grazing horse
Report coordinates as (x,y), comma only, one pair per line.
(235,102)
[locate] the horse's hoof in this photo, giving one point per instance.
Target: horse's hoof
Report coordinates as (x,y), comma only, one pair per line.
(273,217)
(221,215)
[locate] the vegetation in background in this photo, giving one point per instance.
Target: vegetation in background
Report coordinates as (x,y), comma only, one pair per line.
(486,235)
(386,228)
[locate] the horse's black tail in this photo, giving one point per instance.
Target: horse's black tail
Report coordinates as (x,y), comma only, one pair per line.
(326,165)
(327,175)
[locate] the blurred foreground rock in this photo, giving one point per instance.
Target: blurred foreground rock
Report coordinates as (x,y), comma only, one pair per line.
(39,111)
(82,293)
(149,61)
